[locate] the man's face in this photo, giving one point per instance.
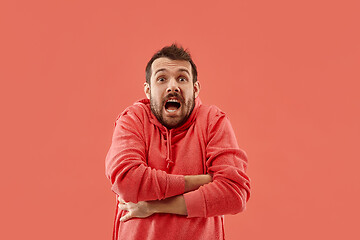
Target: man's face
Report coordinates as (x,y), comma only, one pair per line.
(171,91)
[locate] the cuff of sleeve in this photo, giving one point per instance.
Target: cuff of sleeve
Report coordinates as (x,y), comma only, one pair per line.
(175,185)
(195,204)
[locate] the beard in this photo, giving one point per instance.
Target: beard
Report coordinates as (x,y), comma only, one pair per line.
(158,109)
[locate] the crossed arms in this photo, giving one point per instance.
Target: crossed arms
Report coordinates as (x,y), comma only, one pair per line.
(140,186)
(173,205)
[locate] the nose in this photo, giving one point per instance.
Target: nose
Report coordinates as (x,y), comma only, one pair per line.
(173,86)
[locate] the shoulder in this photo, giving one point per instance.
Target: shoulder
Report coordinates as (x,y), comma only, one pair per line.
(138,112)
(210,113)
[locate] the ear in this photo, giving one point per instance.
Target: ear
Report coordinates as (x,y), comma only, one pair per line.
(147,90)
(197,88)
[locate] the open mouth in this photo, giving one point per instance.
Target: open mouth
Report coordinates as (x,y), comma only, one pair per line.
(172,105)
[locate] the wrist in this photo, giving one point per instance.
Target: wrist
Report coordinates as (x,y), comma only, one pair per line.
(154,206)
(193,182)
(173,205)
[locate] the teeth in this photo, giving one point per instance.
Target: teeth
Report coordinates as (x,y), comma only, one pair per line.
(170,110)
(172,100)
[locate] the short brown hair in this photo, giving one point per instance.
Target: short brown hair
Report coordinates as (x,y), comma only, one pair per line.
(174,53)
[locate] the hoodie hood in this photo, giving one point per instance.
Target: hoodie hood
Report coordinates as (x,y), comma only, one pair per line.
(145,103)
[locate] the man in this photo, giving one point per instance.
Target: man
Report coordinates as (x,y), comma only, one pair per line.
(174,163)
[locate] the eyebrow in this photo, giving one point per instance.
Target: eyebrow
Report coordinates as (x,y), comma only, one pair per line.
(180,70)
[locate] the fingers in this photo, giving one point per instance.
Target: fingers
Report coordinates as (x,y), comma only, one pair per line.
(121,200)
(123,206)
(125,217)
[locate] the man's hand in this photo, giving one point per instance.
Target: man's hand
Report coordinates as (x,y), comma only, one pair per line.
(141,209)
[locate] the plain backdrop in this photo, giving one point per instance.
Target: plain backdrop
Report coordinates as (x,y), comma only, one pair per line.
(285,72)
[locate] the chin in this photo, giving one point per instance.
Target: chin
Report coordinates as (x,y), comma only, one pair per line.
(171,123)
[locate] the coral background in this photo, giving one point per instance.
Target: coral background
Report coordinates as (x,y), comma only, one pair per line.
(285,72)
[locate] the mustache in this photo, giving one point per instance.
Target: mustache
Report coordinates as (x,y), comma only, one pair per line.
(175,94)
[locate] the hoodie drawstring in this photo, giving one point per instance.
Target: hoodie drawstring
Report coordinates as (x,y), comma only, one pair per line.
(168,146)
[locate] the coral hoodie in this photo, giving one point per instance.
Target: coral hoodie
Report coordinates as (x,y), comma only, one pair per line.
(146,161)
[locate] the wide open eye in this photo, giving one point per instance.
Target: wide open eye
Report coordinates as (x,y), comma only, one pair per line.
(182,79)
(161,79)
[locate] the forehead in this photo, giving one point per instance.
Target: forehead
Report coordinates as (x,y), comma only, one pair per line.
(170,65)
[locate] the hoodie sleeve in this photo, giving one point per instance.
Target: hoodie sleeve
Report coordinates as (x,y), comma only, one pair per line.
(230,189)
(127,170)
